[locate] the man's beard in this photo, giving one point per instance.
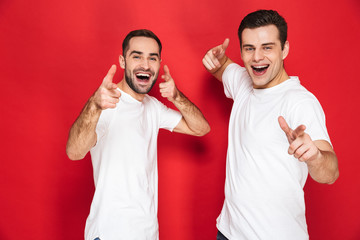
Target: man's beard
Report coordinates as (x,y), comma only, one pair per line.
(130,81)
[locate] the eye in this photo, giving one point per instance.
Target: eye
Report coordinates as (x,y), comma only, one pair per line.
(267,48)
(153,59)
(249,49)
(136,57)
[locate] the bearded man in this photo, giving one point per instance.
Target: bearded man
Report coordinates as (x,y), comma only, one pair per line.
(119,125)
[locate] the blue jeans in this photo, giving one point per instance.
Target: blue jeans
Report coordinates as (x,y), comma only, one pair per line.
(220,236)
(97,238)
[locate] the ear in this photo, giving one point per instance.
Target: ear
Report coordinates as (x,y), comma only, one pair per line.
(122,61)
(241,55)
(286,49)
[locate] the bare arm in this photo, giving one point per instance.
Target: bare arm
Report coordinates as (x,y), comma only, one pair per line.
(324,169)
(82,135)
(216,61)
(193,121)
(318,155)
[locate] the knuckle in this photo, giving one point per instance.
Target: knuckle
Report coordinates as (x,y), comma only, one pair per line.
(102,91)
(103,102)
(291,148)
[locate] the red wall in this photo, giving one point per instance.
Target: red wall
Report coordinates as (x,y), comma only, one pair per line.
(54,54)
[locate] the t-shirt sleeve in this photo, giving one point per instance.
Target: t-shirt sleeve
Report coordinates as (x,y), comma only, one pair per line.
(169,118)
(235,80)
(309,112)
(103,124)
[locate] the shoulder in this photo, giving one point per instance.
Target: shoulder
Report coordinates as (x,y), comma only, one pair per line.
(234,68)
(236,81)
(150,100)
(235,74)
(298,100)
(297,93)
(152,104)
(302,107)
(108,113)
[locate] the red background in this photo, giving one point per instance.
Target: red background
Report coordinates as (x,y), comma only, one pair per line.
(54,54)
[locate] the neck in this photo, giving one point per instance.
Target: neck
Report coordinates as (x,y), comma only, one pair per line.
(282,77)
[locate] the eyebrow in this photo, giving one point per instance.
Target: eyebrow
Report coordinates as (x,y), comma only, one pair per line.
(267,44)
(140,53)
(264,44)
(155,54)
(136,52)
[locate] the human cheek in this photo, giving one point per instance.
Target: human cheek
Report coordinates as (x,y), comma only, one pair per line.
(247,62)
(247,57)
(155,68)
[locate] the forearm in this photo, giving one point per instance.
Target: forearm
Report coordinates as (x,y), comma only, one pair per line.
(324,169)
(82,136)
(196,123)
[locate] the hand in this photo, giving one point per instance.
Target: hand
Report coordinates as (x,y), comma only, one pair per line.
(213,57)
(301,145)
(106,96)
(168,88)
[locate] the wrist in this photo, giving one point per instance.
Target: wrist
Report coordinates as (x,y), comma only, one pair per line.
(179,97)
(316,160)
(92,105)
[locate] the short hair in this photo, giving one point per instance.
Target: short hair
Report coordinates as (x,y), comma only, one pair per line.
(262,18)
(139,33)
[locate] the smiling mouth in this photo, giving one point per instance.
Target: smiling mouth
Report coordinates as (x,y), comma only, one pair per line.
(143,77)
(260,69)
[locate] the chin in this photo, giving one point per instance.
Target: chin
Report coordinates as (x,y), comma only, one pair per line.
(260,84)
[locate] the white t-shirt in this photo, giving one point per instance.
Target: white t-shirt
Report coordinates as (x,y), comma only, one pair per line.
(264,196)
(124,162)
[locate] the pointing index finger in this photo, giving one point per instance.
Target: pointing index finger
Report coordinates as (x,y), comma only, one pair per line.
(287,130)
(109,78)
(225,44)
(283,124)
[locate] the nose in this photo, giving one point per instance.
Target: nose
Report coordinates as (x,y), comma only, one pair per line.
(145,64)
(258,55)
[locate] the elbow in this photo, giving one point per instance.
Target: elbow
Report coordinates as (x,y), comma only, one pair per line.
(72,155)
(326,179)
(334,178)
(203,131)
(330,179)
(206,131)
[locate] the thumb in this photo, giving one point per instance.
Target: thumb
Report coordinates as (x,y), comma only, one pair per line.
(108,80)
(166,75)
(299,131)
(166,70)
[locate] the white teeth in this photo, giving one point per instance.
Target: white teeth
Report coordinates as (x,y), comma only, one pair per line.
(259,66)
(143,75)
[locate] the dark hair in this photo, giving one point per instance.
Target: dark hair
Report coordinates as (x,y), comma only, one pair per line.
(263,18)
(140,33)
